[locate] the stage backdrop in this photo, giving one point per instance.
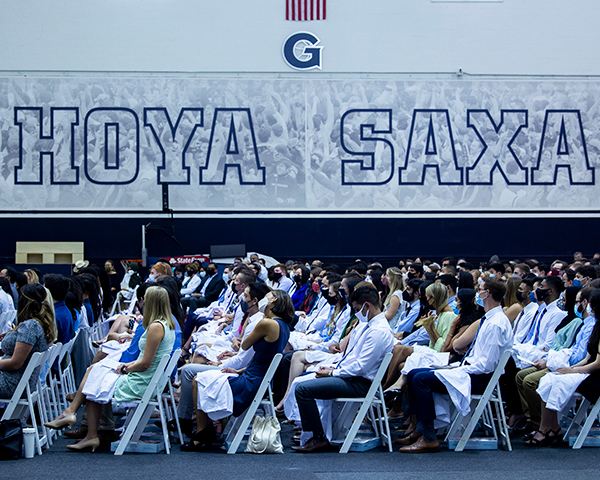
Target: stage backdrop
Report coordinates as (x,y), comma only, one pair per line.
(300,144)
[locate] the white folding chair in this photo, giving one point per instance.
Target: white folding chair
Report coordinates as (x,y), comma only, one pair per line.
(481,406)
(372,403)
(18,407)
(235,433)
(7,319)
(168,398)
(586,411)
(47,390)
(137,418)
(64,383)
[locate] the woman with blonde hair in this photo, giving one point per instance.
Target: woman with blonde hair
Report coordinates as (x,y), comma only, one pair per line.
(35,332)
(393,304)
(437,298)
(134,377)
(32,277)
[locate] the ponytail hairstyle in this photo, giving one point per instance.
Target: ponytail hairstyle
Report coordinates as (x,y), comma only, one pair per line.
(34,304)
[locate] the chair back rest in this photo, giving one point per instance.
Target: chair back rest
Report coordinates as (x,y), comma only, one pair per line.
(151,388)
(48,359)
(133,302)
(166,374)
(497,374)
(266,381)
(6,320)
(34,362)
(379,375)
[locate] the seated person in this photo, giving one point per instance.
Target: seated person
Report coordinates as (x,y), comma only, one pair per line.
(133,377)
(556,390)
(253,296)
(352,376)
(269,337)
(493,339)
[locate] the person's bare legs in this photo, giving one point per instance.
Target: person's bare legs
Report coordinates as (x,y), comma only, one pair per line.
(400,354)
(297,367)
(93,411)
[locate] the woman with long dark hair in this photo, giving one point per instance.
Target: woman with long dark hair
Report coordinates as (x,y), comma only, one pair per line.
(269,337)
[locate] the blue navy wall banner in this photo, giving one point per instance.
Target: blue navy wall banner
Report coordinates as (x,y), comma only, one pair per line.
(317,145)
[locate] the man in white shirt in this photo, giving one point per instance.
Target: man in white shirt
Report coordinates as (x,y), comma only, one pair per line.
(352,376)
(522,323)
(493,338)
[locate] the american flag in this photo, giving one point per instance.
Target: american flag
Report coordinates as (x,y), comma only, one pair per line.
(301,10)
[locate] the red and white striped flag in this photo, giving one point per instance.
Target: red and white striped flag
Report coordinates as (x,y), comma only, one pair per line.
(302,10)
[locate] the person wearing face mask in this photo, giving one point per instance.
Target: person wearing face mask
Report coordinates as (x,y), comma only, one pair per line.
(352,376)
(317,344)
(419,335)
(412,297)
(525,297)
(252,300)
(543,327)
(472,376)
(556,390)
(268,338)
(300,278)
(192,281)
(415,270)
(321,312)
(279,279)
(571,341)
(207,291)
(584,275)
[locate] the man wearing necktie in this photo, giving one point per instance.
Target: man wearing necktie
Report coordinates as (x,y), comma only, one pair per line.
(352,377)
(493,337)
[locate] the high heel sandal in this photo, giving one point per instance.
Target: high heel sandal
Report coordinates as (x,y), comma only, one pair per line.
(60,423)
(92,443)
(201,440)
(545,441)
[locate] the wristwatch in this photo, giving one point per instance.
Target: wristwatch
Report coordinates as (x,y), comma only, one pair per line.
(124,370)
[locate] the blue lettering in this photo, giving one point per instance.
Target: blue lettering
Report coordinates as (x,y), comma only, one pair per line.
(363,135)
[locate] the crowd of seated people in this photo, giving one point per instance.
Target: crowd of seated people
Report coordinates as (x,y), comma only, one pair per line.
(333,326)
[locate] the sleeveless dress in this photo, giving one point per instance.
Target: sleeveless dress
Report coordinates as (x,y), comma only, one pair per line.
(245,386)
(133,385)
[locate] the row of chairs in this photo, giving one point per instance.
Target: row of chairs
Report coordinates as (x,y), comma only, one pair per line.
(48,393)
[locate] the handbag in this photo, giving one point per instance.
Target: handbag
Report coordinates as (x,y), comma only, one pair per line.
(265,436)
(11,439)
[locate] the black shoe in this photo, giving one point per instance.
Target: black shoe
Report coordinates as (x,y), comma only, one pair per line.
(201,441)
(524,429)
(313,445)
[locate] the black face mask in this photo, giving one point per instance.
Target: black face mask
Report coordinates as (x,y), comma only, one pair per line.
(541,294)
(297,278)
(411,276)
(520,297)
(277,275)
(332,300)
(210,272)
(408,296)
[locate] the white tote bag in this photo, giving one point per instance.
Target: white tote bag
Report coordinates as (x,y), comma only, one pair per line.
(265,436)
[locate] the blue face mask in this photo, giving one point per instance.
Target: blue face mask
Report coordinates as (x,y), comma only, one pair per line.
(455,309)
(479,300)
(342,293)
(577,312)
(577,283)
(532,297)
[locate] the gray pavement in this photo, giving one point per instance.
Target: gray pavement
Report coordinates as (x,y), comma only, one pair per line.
(522,463)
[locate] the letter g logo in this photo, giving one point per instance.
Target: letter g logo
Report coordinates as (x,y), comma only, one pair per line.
(300,51)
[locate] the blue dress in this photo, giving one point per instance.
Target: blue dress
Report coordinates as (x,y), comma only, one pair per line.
(245,386)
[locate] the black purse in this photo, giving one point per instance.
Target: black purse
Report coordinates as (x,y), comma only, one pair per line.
(11,439)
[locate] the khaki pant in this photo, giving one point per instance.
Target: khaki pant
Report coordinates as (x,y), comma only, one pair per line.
(528,381)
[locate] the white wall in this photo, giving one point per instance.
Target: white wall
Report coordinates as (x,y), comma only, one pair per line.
(531,37)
